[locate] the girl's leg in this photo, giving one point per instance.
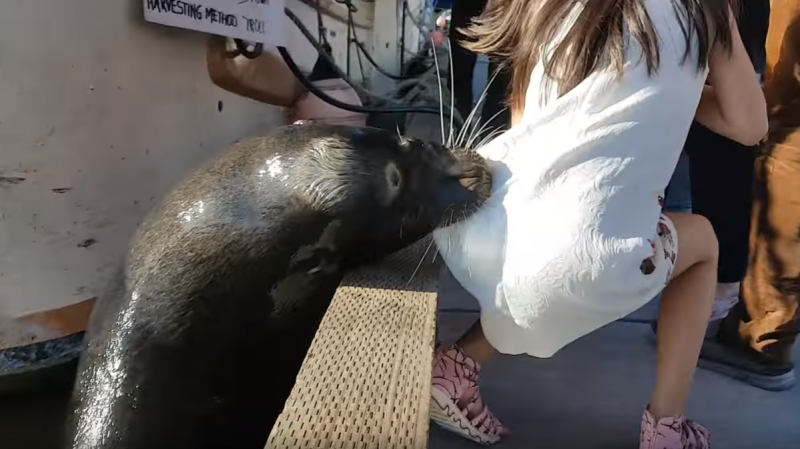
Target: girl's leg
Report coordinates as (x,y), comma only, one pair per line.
(474,344)
(456,403)
(685,310)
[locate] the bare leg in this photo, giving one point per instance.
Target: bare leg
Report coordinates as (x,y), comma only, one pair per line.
(456,403)
(474,344)
(685,311)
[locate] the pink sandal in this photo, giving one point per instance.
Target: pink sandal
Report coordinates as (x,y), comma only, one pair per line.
(456,404)
(673,433)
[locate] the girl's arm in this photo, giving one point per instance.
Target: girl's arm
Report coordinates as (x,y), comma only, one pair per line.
(733,105)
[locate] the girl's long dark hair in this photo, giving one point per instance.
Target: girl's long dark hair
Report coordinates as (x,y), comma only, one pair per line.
(519,31)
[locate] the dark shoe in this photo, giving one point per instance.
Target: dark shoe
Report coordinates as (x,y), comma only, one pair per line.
(741,363)
(745,365)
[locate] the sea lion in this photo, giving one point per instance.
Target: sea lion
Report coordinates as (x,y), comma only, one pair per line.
(228,278)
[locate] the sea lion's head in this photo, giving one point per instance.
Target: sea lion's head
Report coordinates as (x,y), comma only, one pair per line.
(394,190)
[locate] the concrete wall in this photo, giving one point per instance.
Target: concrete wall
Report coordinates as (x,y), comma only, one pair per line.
(100,113)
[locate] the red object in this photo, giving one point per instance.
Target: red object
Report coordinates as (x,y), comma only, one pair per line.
(438,38)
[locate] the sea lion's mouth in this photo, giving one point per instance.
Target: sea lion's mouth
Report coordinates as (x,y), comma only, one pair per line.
(475,184)
(477,180)
(477,188)
(474,174)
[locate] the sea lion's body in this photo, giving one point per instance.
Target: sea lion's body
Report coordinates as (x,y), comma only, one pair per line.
(227,281)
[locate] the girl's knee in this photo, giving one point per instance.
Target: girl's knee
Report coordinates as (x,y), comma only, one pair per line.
(704,238)
(697,241)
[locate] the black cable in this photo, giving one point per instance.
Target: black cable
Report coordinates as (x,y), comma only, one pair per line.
(321,50)
(381,69)
(349,29)
(323,39)
(350,6)
(351,26)
(403,37)
(361,48)
(287,58)
(361,67)
(243,49)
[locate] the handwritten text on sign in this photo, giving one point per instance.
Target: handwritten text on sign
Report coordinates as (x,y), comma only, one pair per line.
(251,20)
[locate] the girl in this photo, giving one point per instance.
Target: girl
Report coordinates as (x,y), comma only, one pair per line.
(603,94)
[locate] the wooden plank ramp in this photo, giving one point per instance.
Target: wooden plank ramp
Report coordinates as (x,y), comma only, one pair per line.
(366,379)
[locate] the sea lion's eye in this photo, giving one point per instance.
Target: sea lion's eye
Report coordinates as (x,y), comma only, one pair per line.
(394,181)
(393,177)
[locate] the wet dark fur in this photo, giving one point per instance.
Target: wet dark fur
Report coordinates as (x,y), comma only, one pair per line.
(229,277)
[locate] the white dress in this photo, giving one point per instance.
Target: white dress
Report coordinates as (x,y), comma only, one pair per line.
(573,237)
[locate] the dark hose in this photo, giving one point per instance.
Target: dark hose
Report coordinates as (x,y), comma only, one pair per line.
(287,58)
(349,107)
(381,69)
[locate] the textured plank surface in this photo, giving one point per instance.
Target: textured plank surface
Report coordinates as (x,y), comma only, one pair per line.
(366,380)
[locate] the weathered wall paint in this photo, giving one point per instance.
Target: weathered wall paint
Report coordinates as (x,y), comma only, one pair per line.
(100,113)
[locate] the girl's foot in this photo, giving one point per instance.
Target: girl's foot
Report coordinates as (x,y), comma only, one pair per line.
(456,403)
(672,433)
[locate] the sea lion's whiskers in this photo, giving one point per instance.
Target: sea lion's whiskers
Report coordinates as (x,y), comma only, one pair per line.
(489,137)
(443,220)
(452,91)
(449,244)
(439,83)
(469,122)
(471,116)
(471,142)
(470,132)
(425,254)
(483,128)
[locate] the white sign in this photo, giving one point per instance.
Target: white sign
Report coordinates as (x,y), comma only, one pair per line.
(251,20)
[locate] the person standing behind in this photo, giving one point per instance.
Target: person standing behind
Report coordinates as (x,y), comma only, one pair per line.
(464,11)
(755,340)
(722,192)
